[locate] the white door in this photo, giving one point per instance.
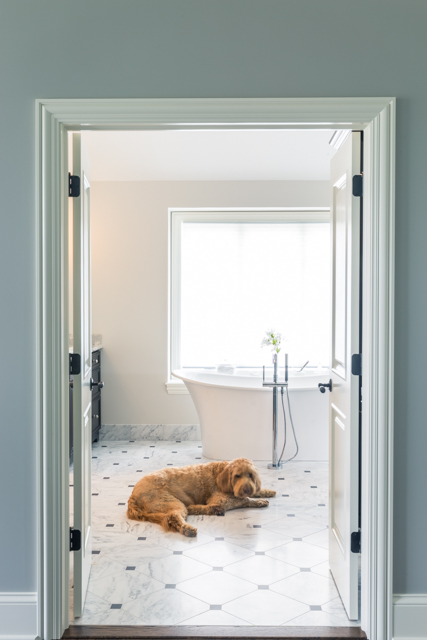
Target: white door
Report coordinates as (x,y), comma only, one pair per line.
(82,414)
(344,397)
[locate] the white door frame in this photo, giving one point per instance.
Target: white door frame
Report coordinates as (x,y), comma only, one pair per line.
(54,118)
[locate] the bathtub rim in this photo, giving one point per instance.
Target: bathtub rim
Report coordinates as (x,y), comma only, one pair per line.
(178,374)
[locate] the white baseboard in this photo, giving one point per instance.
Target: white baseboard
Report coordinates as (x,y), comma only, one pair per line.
(410,617)
(18,616)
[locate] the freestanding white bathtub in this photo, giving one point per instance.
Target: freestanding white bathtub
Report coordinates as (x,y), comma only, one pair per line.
(236,415)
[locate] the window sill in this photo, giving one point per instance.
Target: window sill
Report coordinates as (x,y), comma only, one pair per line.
(175,387)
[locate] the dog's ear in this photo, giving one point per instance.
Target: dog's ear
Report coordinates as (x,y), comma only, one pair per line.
(224,480)
(257,481)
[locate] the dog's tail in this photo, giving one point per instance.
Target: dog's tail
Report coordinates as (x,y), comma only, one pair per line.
(136,512)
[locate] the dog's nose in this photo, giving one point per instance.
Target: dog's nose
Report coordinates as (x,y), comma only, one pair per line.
(247,491)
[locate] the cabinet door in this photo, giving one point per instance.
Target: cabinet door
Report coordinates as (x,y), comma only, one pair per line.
(96,415)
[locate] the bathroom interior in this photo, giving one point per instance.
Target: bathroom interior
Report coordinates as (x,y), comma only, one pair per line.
(203,245)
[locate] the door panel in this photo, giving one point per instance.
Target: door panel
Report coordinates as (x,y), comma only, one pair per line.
(344,397)
(82,418)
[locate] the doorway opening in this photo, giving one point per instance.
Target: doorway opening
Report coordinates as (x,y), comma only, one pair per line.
(379,114)
(253,567)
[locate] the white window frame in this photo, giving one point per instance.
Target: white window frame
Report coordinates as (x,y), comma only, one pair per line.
(177,216)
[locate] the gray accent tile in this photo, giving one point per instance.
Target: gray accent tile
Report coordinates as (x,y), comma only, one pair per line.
(315,607)
(219,538)
(130,568)
(95,494)
(142,538)
(216,607)
(263,586)
(170,586)
(256,526)
(116,606)
(260,553)
(177,553)
(291,515)
(95,552)
(305,569)
(109,525)
(217,568)
(121,504)
(297,539)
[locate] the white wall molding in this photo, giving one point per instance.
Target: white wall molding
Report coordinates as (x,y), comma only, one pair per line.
(232,113)
(410,616)
(54,117)
(18,616)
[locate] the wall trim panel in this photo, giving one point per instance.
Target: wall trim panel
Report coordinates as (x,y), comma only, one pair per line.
(410,616)
(18,616)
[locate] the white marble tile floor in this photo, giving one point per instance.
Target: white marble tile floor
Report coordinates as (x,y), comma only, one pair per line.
(250,567)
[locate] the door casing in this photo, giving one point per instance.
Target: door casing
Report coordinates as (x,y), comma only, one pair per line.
(54,119)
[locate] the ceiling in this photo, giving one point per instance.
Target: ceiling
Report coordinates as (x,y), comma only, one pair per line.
(209,155)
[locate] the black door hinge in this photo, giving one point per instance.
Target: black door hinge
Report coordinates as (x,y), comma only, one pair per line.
(73,186)
(75,540)
(356,364)
(355,542)
(358,185)
(74,364)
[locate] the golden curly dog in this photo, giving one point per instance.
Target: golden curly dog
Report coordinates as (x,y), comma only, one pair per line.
(166,497)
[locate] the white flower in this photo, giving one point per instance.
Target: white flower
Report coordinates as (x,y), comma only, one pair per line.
(273,340)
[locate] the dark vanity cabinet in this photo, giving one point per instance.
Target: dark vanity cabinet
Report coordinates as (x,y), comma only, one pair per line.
(97,385)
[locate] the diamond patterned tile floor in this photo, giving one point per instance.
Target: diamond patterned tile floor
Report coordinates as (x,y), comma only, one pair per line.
(250,567)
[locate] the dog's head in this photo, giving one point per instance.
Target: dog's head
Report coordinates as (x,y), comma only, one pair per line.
(239,477)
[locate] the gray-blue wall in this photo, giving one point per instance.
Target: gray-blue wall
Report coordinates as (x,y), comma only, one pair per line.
(207,48)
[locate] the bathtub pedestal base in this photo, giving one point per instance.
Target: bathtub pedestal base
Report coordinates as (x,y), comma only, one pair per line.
(279,465)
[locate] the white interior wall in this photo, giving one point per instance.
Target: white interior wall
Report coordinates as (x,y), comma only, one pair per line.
(130,282)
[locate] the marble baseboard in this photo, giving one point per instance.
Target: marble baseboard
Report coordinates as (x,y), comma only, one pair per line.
(150,432)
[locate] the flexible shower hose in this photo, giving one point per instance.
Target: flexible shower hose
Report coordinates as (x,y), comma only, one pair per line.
(292,425)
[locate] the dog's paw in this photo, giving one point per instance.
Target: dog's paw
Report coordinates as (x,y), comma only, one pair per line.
(269,493)
(217,510)
(261,503)
(189,531)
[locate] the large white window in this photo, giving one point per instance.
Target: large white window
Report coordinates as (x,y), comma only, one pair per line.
(237,274)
